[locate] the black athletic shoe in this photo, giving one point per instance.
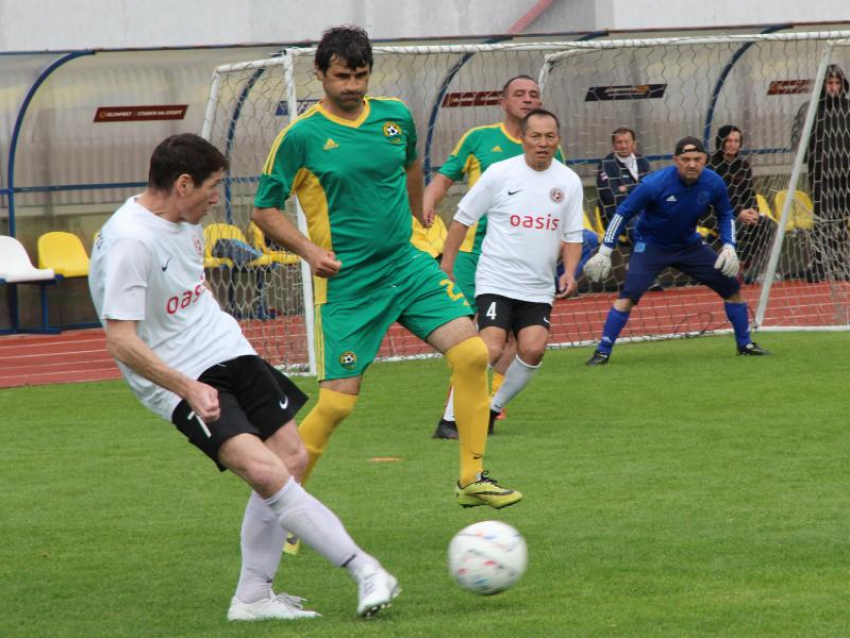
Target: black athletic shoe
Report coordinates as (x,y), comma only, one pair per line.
(598,359)
(752,349)
(445,430)
(491,426)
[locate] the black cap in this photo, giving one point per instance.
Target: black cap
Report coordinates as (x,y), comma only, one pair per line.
(689,145)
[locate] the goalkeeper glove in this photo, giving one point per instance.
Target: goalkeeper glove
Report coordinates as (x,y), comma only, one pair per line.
(598,267)
(727,261)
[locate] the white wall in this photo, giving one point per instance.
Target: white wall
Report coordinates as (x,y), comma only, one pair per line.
(38,25)
(665,14)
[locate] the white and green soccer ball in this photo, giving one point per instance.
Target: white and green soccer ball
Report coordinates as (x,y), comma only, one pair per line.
(487,557)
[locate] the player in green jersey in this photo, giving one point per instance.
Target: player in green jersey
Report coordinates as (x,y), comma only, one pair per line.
(475,152)
(352,162)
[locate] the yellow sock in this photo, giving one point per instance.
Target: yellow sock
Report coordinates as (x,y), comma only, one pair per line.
(316,429)
(498,380)
(468,361)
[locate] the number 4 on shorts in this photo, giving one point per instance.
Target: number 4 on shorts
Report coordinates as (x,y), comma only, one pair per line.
(491,311)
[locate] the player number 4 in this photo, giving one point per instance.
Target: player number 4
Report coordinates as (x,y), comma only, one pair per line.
(491,310)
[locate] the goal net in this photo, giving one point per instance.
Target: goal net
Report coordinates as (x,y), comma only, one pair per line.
(662,89)
(449,90)
(665,89)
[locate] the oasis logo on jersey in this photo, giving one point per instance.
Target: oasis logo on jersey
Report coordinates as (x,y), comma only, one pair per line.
(538,223)
(184,299)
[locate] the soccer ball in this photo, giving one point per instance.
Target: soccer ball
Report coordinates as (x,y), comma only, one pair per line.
(487,557)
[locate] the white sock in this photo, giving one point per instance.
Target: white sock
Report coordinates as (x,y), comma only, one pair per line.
(312,522)
(449,412)
(262,544)
(518,376)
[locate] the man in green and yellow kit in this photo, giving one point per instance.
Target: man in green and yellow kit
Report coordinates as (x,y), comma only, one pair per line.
(477,150)
(352,161)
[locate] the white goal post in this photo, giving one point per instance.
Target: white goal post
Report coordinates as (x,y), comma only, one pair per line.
(663,89)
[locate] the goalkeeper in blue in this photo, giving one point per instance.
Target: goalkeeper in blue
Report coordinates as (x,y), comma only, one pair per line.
(672,200)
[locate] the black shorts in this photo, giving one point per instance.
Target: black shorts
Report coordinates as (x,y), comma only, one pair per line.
(254,398)
(511,315)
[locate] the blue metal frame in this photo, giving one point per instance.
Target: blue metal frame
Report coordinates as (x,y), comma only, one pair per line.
(435,109)
(715,94)
(231,135)
(19,123)
(14,315)
(14,310)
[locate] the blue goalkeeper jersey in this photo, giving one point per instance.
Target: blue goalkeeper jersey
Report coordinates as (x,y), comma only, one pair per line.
(671,210)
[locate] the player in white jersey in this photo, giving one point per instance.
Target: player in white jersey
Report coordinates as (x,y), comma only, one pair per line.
(535,215)
(188,361)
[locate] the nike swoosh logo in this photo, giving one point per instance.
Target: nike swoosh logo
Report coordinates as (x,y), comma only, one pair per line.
(546,320)
(165,265)
(514,192)
(284,404)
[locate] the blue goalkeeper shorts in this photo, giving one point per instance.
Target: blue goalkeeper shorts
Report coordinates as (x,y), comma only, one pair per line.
(647,261)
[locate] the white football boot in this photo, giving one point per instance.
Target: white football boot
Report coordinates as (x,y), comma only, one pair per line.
(279,607)
(376,589)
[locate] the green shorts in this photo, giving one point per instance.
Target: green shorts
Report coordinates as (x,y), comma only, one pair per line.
(349,333)
(464,273)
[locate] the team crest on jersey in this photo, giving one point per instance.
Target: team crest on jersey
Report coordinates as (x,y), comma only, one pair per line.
(348,360)
(703,198)
(392,131)
(199,247)
(556,194)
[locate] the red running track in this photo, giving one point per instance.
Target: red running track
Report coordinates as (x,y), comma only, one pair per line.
(80,355)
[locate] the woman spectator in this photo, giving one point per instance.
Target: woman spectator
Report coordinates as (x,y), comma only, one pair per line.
(753,231)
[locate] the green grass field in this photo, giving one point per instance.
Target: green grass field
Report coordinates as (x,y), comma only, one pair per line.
(679,491)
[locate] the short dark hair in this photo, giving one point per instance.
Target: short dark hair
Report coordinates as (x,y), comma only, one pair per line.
(184,154)
(507,84)
(538,112)
(349,44)
(622,131)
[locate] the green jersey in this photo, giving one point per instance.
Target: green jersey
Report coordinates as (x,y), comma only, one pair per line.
(350,180)
(475,152)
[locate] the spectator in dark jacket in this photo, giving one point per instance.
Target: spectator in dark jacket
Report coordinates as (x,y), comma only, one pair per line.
(753,231)
(828,160)
(619,172)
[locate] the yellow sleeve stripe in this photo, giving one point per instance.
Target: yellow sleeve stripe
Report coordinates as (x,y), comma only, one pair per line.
(470,132)
(386,99)
(269,165)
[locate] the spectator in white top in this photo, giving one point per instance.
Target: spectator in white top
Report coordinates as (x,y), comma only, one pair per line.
(535,215)
(188,361)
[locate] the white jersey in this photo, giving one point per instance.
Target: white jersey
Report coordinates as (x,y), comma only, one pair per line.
(150,270)
(529,213)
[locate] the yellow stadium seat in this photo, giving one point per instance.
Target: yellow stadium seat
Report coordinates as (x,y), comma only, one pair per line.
(593,222)
(801,216)
(217,231)
(64,253)
(590,225)
(764,207)
(708,234)
(258,241)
